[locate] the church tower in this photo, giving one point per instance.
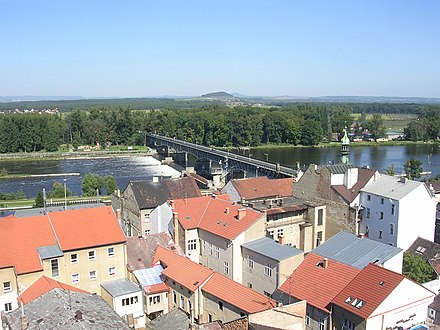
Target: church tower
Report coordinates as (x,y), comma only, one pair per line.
(345,149)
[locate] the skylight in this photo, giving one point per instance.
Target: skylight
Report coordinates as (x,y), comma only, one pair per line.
(355,302)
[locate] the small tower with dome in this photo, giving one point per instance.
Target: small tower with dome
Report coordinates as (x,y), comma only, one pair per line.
(345,149)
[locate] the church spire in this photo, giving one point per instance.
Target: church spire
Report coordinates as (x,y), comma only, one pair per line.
(345,149)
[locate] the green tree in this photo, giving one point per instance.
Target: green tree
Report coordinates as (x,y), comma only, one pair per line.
(110,184)
(39,201)
(311,133)
(416,268)
(90,183)
(58,191)
(413,168)
(375,126)
(390,170)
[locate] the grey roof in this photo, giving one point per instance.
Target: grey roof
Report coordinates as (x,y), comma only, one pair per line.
(269,248)
(24,213)
(338,168)
(51,311)
(149,194)
(49,251)
(176,319)
(425,249)
(120,287)
(391,187)
(354,251)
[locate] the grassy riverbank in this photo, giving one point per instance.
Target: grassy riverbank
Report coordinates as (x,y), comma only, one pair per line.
(29,203)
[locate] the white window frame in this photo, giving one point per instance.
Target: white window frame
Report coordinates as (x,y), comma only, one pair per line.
(91,276)
(182,302)
(250,261)
(74,258)
(75,278)
(112,271)
(226,268)
(111,252)
(8,307)
(7,287)
(154,300)
(54,274)
(216,252)
(268,270)
(92,255)
(192,244)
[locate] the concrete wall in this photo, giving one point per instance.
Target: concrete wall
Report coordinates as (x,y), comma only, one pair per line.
(290,317)
(6,297)
(160,218)
(212,307)
(255,277)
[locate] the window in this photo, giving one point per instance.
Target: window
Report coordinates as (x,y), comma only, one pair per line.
(268,270)
(250,261)
(226,268)
(250,285)
(111,251)
(174,297)
(182,302)
(320,216)
(220,305)
(92,255)
(147,232)
(280,232)
(154,300)
(210,249)
(348,325)
(380,234)
(381,216)
(392,229)
(74,258)
(192,244)
(92,275)
(368,197)
(75,278)
(54,268)
(129,301)
(189,306)
(267,294)
(112,271)
(393,209)
(8,307)
(147,217)
(271,233)
(381,200)
(367,213)
(307,318)
(321,324)
(216,252)
(7,287)
(318,238)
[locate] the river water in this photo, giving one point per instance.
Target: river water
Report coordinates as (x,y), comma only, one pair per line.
(138,168)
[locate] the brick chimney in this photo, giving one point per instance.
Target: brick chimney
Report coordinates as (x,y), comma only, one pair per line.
(281,240)
(241,214)
(325,263)
(227,210)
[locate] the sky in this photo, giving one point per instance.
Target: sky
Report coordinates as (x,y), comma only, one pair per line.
(146,48)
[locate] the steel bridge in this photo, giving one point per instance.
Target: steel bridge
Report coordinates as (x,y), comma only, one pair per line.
(228,161)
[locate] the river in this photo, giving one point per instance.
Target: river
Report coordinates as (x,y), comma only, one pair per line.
(138,168)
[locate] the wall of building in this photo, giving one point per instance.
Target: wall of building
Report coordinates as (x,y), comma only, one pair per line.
(135,308)
(181,297)
(287,266)
(130,213)
(192,235)
(160,218)
(339,314)
(9,297)
(230,190)
(291,317)
(153,305)
(225,313)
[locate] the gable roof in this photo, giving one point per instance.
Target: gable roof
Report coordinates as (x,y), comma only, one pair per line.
(181,269)
(268,247)
(316,284)
(149,194)
(237,294)
(364,176)
(392,187)
(215,215)
(356,251)
(262,186)
(425,249)
(19,242)
(368,290)
(77,229)
(43,285)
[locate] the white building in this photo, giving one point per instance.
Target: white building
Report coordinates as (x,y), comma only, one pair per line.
(396,211)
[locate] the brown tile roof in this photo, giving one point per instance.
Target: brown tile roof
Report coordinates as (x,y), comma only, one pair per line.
(181,269)
(41,286)
(368,290)
(192,275)
(364,175)
(19,240)
(425,249)
(140,250)
(215,215)
(435,305)
(316,284)
(237,294)
(89,227)
(261,187)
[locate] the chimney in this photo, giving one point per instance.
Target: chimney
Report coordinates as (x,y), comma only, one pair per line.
(155,179)
(78,315)
(325,263)
(361,235)
(376,176)
(403,180)
(171,201)
(281,240)
(241,214)
(176,227)
(118,214)
(227,210)
(118,193)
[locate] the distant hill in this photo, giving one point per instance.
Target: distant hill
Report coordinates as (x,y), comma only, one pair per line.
(218,95)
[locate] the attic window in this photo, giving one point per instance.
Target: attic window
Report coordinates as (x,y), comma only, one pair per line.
(188,218)
(347,301)
(420,249)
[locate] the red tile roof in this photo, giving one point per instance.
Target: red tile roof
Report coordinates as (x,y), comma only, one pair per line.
(368,290)
(156,288)
(43,285)
(237,294)
(215,215)
(19,240)
(316,284)
(192,275)
(88,227)
(262,187)
(181,269)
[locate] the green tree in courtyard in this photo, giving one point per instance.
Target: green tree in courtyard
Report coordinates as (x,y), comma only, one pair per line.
(416,268)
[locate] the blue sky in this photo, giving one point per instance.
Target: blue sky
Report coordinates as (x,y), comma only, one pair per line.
(129,48)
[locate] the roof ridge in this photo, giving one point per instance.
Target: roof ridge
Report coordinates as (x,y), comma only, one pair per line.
(204,211)
(53,231)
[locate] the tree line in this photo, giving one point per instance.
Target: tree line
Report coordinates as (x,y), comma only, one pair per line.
(215,125)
